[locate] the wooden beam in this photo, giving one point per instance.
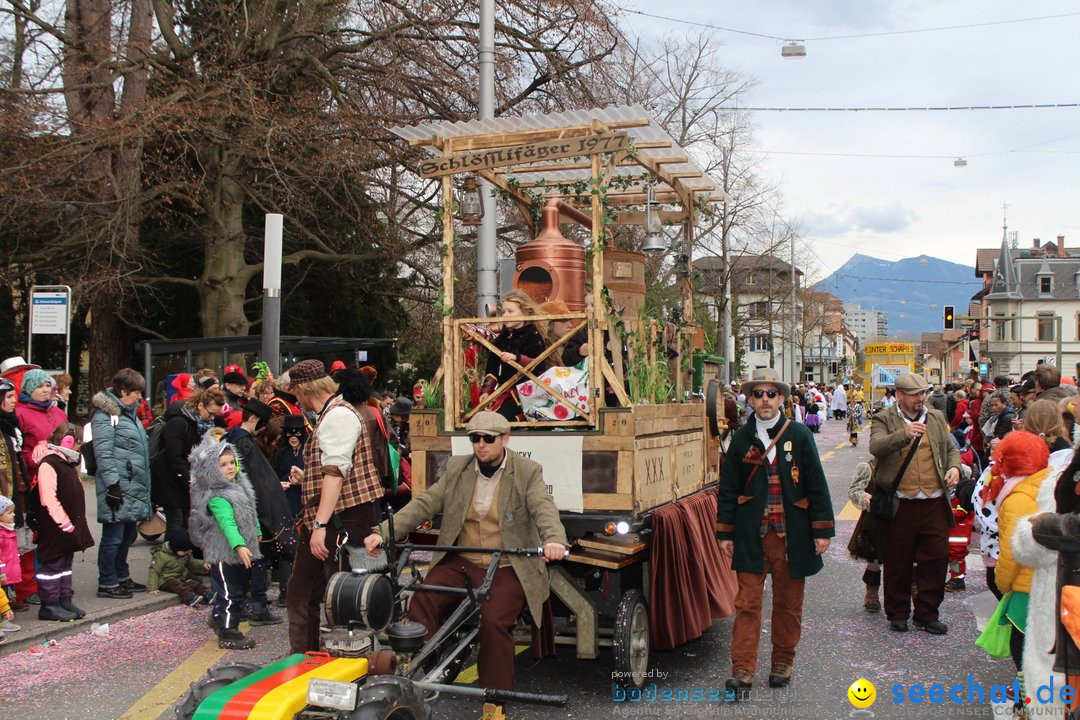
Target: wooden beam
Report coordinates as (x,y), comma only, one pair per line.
(449,359)
(502,139)
(521,200)
(553,167)
(637,217)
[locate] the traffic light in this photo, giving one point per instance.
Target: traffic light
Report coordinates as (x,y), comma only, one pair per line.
(949,322)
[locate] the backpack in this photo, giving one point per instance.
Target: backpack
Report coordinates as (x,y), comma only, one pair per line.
(89,459)
(156,440)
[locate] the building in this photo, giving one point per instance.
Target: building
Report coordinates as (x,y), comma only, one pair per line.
(941,355)
(1030,307)
(867,325)
(764,323)
(802,334)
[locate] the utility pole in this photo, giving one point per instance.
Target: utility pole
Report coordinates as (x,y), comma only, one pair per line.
(487,292)
(271,323)
(791,338)
(724,341)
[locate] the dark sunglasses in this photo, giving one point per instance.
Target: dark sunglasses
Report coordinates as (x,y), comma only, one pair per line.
(762,393)
(474,438)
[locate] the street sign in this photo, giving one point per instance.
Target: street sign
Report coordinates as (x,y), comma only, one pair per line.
(49,311)
(524,154)
(50,314)
(984,368)
(1050,360)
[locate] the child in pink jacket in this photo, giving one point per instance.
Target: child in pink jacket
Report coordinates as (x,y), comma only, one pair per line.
(10,570)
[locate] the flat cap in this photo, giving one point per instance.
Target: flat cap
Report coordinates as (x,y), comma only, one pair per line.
(488,422)
(307,371)
(911,384)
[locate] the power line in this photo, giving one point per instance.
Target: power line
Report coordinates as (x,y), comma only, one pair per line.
(912,108)
(854,35)
(847,276)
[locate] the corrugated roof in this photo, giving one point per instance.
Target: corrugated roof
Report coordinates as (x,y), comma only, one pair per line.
(646,134)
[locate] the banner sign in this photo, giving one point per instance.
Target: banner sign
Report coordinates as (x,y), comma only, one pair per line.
(559,455)
(890,349)
(523,154)
(885,375)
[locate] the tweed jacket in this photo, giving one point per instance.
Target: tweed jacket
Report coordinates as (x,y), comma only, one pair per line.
(889,446)
(742,497)
(528,517)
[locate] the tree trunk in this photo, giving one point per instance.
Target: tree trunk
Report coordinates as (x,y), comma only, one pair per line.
(225,274)
(110,342)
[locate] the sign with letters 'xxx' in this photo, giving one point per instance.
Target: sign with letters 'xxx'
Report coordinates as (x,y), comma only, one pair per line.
(524,154)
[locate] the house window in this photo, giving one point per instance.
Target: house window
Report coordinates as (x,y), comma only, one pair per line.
(999,330)
(750,279)
(759,342)
(1046,285)
(1046,328)
(758,309)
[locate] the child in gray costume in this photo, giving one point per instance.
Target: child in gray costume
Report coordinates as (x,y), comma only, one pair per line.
(224,524)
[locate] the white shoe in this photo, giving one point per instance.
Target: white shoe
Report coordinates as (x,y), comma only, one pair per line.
(9,627)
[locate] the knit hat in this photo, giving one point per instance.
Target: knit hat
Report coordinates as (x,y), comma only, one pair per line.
(234,377)
(307,371)
(33,379)
(5,503)
(179,539)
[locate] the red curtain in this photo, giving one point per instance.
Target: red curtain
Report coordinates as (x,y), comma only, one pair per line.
(691,583)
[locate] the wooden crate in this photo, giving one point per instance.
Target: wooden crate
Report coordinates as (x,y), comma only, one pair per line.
(642,457)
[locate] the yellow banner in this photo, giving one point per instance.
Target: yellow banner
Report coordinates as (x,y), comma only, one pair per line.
(890,349)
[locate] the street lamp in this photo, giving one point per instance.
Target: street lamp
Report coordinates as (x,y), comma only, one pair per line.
(793,49)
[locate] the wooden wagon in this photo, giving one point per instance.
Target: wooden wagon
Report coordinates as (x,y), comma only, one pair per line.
(635,482)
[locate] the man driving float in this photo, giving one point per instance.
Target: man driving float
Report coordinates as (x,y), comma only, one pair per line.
(493,498)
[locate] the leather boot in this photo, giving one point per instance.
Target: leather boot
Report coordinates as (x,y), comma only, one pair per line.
(55,612)
(871,604)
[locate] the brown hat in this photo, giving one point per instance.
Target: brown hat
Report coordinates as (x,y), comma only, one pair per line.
(554,307)
(488,422)
(307,371)
(911,384)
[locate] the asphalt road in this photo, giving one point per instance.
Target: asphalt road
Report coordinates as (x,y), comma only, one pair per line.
(145,664)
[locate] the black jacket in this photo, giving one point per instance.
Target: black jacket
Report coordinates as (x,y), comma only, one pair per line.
(171,472)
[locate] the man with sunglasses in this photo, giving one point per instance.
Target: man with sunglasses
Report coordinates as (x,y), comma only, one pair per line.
(774,516)
(492,498)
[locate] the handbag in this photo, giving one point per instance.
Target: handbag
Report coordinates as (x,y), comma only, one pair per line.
(393,453)
(883,501)
(996,635)
(865,542)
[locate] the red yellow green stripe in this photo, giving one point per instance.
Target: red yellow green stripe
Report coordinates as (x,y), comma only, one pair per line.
(284,701)
(211,708)
(241,704)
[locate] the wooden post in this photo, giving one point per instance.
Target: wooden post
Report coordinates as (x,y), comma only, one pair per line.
(599,322)
(451,362)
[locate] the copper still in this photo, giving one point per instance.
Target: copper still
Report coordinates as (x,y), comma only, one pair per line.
(552,267)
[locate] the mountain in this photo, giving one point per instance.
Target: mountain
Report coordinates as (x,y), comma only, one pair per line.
(912,292)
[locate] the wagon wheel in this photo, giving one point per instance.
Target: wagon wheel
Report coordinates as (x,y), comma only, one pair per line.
(214,680)
(630,642)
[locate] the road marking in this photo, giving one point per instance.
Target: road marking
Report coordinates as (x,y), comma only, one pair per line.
(842,445)
(827,455)
(470,674)
(176,683)
(850,512)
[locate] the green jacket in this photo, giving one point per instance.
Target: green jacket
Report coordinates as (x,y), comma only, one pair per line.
(808,513)
(529,517)
(166,566)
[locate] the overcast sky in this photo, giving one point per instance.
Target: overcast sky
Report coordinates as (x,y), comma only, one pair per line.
(903,207)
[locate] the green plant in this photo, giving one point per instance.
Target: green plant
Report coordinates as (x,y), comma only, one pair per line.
(432,394)
(649,380)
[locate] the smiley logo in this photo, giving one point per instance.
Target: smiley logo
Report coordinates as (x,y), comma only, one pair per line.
(862,693)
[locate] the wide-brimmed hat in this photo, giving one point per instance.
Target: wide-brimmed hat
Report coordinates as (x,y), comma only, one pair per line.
(766,376)
(259,409)
(293,422)
(16,363)
(911,384)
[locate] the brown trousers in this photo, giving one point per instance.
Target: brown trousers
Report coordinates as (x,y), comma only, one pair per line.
(497,614)
(307,583)
(787,602)
(184,588)
(918,533)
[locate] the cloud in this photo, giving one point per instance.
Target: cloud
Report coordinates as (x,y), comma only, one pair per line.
(880,219)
